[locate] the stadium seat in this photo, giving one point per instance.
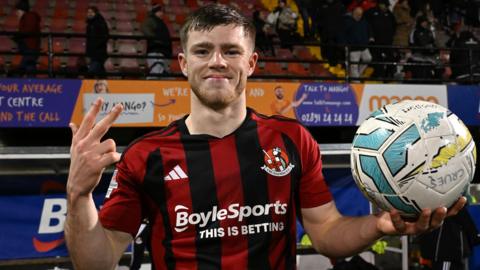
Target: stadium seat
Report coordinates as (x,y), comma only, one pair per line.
(124,7)
(304,53)
(6,44)
(76,45)
(129,65)
(124,15)
(124,27)
(60,12)
(284,53)
(79,26)
(10,23)
(58,25)
(298,69)
(275,68)
(317,69)
(110,65)
(127,48)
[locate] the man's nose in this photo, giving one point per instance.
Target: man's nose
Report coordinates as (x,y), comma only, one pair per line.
(217,60)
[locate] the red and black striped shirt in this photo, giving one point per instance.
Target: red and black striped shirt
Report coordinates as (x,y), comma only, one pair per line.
(228,203)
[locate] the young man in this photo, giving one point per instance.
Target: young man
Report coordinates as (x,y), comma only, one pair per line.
(223,186)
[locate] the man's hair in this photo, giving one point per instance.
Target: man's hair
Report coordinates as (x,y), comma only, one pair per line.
(94,9)
(212,15)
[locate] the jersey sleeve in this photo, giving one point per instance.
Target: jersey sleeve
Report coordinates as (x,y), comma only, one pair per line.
(122,208)
(313,188)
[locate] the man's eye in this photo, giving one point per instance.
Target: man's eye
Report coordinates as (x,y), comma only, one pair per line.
(200,52)
(232,52)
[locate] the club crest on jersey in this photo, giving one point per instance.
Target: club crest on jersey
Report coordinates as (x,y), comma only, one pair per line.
(276,162)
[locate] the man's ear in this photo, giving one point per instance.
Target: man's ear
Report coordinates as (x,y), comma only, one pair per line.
(182,60)
(252,62)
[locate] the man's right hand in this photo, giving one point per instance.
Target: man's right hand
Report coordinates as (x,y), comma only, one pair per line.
(88,155)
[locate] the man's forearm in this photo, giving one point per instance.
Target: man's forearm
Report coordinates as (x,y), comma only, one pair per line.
(88,244)
(348,236)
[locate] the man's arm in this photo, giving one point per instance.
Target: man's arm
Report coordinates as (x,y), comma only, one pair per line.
(335,235)
(90,245)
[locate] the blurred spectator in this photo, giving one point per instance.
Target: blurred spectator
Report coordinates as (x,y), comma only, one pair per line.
(358,35)
(97,39)
(331,27)
(364,4)
(405,23)
(286,24)
(423,36)
(28,38)
(465,56)
(383,24)
(449,246)
(424,59)
(159,42)
(264,34)
(305,8)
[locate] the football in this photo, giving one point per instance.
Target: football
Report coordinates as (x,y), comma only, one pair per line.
(413,155)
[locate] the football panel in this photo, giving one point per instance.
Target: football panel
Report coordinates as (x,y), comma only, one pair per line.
(370,167)
(396,153)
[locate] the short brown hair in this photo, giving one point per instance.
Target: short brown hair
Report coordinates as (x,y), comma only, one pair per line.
(212,15)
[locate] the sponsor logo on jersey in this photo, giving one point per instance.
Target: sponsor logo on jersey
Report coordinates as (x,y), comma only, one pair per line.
(176,173)
(276,162)
(233,211)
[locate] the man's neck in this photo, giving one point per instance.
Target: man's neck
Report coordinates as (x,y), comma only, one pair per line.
(218,123)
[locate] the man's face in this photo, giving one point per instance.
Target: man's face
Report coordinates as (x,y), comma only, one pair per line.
(279,93)
(217,64)
(357,14)
(19,13)
(159,14)
(425,24)
(90,14)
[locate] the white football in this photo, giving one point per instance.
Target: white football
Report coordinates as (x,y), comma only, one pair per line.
(413,155)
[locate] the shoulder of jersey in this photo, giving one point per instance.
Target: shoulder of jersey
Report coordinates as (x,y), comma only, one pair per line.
(157,135)
(277,121)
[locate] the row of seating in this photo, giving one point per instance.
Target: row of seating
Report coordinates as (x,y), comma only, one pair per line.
(124,18)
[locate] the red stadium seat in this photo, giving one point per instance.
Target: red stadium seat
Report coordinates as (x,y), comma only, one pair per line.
(79,26)
(60,12)
(305,54)
(10,23)
(284,53)
(6,44)
(127,48)
(297,69)
(124,27)
(275,68)
(76,45)
(58,25)
(124,15)
(129,65)
(124,7)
